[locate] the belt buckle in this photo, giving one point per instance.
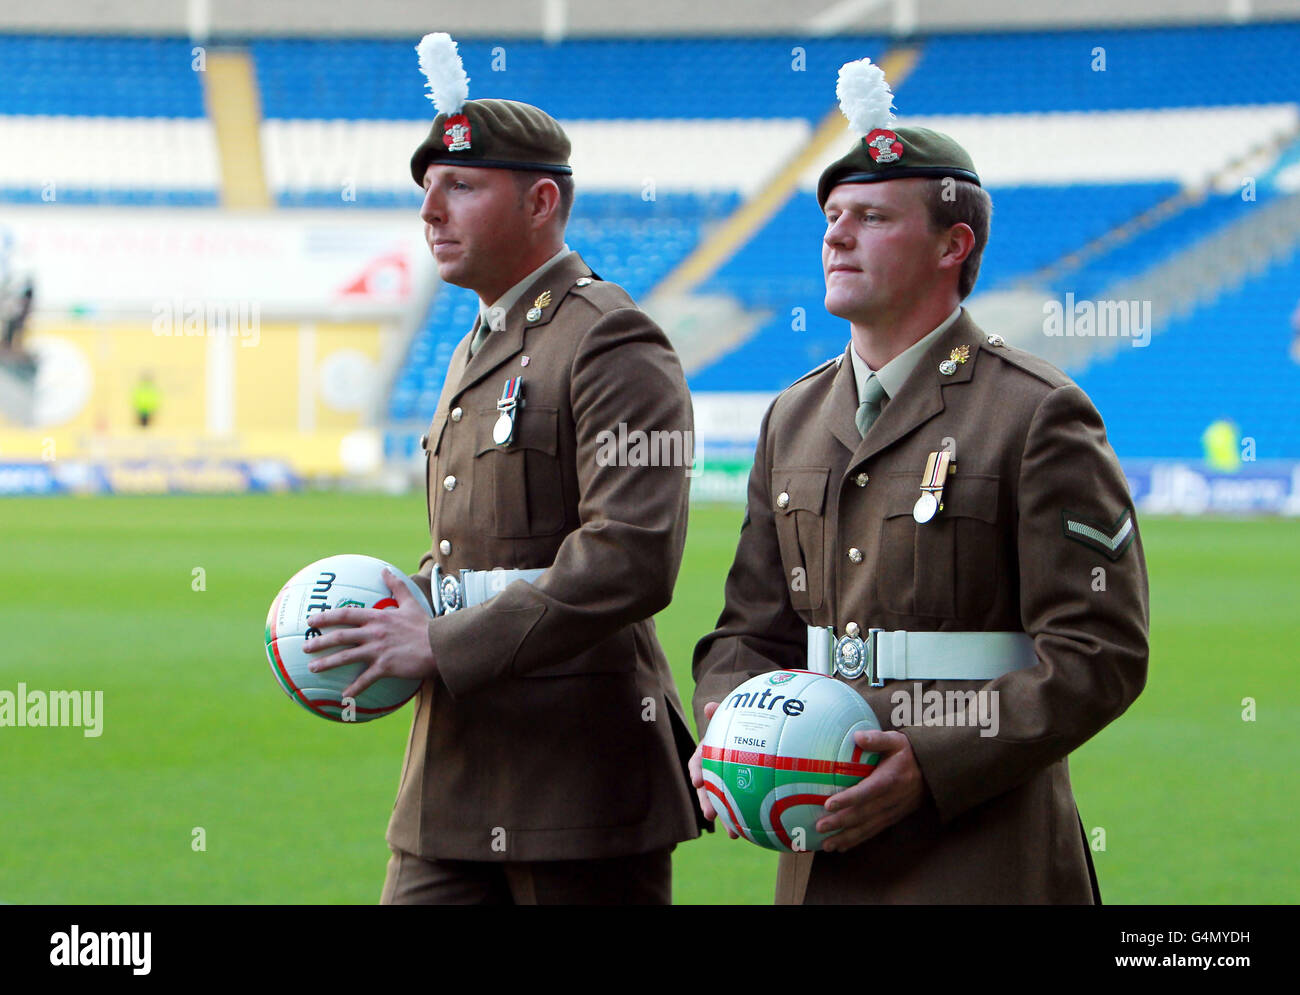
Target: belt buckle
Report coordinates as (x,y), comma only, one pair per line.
(448,591)
(855,655)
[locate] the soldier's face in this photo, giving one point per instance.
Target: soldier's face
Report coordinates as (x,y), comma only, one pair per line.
(476,227)
(879,255)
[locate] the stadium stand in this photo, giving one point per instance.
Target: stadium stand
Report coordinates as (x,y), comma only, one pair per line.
(1111,155)
(128,126)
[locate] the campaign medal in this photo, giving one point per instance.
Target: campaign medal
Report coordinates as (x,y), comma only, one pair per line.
(535,312)
(937,468)
(511,397)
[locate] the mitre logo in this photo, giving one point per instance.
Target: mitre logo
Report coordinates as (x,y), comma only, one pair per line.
(456,133)
(883,146)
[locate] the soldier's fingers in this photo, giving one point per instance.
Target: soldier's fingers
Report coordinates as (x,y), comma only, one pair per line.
(363,681)
(344,636)
(341,616)
(709,708)
(879,741)
(696,767)
(400,594)
(859,794)
(340,659)
(706,806)
(871,823)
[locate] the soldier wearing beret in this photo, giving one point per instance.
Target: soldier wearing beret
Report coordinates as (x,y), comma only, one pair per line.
(936,518)
(547,757)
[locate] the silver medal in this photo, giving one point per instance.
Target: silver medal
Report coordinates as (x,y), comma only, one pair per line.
(926,505)
(503,429)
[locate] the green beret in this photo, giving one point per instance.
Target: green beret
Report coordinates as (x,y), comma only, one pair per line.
(498,134)
(895,155)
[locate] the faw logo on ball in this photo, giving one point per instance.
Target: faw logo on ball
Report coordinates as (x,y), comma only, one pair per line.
(780,678)
(883,146)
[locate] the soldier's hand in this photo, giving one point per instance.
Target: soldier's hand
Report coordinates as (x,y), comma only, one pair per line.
(888,794)
(697,773)
(392,642)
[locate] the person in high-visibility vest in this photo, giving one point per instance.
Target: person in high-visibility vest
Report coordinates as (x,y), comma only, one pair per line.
(1222,445)
(145,399)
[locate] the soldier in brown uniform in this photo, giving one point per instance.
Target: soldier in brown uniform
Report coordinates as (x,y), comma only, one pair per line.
(548,750)
(935,511)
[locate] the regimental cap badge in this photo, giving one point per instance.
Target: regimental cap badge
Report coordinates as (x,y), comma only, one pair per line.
(535,312)
(883,146)
(456,133)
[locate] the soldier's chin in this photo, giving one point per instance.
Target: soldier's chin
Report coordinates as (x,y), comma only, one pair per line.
(450,271)
(840,304)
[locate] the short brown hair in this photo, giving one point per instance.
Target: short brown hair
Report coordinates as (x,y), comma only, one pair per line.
(952,201)
(524,180)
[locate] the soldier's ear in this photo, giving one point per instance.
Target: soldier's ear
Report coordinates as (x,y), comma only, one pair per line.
(543,201)
(957,245)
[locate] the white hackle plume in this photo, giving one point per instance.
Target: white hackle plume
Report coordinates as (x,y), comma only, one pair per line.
(440,62)
(865,96)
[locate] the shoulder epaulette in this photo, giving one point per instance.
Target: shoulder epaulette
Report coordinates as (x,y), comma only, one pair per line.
(1035,366)
(833,361)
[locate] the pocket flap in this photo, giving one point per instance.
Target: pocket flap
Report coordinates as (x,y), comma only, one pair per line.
(971,495)
(535,428)
(799,488)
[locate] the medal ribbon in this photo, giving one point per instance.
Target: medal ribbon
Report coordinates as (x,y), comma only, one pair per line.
(936,471)
(510,394)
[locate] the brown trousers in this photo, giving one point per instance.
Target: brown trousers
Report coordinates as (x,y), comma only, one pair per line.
(639,879)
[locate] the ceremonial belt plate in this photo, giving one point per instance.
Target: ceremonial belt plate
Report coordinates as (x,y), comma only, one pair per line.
(511,399)
(473,587)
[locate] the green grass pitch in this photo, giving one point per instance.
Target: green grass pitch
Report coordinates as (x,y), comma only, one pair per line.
(1196,804)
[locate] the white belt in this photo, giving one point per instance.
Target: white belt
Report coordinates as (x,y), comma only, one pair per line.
(900,656)
(473,586)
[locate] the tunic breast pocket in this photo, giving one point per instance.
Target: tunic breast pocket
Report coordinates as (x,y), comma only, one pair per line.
(798,508)
(948,566)
(517,490)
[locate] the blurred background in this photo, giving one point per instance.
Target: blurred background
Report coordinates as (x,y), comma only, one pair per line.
(213,281)
(213,275)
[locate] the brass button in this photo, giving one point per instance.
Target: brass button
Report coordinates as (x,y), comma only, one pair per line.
(449,482)
(424,442)
(997,340)
(584,281)
(852,629)
(855,554)
(445,547)
(783,500)
(456,414)
(860,480)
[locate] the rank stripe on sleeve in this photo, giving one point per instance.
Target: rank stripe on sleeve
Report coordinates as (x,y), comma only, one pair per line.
(1111,541)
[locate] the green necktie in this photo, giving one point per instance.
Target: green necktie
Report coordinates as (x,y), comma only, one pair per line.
(869,409)
(481,330)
